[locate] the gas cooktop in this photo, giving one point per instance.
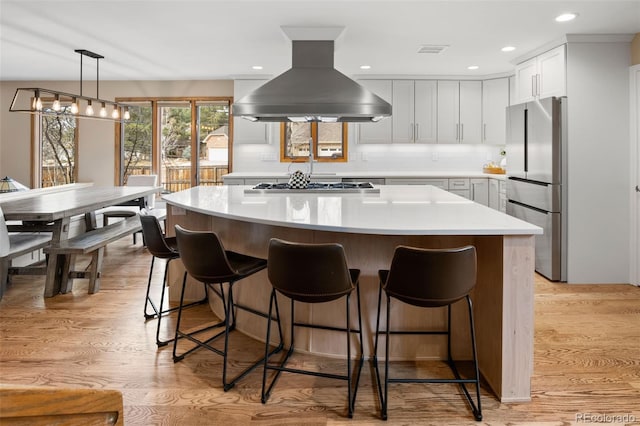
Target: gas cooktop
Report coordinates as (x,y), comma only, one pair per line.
(317,187)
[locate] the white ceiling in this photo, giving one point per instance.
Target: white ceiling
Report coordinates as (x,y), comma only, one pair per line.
(212,39)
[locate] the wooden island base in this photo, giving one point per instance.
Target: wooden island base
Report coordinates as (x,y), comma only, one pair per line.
(503,297)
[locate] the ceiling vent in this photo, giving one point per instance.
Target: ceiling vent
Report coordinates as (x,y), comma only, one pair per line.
(432,48)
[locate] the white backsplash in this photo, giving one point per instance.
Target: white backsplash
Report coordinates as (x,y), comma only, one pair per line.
(379,158)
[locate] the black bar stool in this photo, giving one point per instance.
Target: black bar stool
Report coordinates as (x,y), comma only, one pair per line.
(161,247)
(431,279)
(312,273)
(206,260)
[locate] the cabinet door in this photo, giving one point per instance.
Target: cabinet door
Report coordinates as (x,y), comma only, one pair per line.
(495,99)
(379,132)
(448,111)
(526,74)
(426,111)
(552,73)
(480,190)
(470,112)
(245,131)
(403,107)
(494,194)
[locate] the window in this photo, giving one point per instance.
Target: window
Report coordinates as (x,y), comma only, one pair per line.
(329,141)
(184,141)
(137,142)
(57,142)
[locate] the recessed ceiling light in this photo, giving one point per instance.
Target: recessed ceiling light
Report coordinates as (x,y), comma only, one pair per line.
(566,17)
(473,67)
(508,49)
(257,67)
(365,67)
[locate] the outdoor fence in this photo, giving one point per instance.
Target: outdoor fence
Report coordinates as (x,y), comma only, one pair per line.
(174,178)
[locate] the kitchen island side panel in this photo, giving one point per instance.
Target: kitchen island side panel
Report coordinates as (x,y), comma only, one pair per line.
(503,297)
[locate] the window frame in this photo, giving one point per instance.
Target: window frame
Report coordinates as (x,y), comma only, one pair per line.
(156,102)
(36,149)
(314,135)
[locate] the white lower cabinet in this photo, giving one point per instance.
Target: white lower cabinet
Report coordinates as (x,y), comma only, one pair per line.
(498,195)
(480,190)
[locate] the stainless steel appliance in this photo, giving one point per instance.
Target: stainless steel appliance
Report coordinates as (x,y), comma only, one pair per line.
(536,185)
(315,187)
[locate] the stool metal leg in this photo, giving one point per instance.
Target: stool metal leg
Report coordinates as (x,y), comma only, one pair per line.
(159,311)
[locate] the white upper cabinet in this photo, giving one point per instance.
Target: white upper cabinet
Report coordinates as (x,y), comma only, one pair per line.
(245,131)
(426,111)
(414,111)
(495,100)
(459,111)
(379,132)
(542,76)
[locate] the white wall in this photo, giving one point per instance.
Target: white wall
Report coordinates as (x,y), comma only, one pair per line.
(96,137)
(598,163)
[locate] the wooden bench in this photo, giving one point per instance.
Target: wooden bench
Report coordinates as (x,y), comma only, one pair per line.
(91,242)
(19,244)
(39,406)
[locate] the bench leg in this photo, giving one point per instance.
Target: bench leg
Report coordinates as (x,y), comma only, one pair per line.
(54,277)
(95,268)
(66,282)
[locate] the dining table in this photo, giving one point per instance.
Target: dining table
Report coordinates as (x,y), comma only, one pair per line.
(53,211)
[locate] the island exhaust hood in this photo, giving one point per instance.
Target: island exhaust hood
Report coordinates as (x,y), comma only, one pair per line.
(312,91)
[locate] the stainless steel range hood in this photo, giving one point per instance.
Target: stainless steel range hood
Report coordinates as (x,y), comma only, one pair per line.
(312,90)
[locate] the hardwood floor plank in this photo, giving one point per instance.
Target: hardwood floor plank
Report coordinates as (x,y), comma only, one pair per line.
(586,359)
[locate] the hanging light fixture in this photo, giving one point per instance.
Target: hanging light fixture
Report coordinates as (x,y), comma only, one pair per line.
(53,102)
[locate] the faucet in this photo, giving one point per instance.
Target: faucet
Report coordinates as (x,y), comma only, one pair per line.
(311,160)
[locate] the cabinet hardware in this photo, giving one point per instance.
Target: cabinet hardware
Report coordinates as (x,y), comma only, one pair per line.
(461,132)
(457,131)
(533,85)
(417,132)
(484,132)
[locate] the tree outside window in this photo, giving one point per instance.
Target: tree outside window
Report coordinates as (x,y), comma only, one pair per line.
(58,149)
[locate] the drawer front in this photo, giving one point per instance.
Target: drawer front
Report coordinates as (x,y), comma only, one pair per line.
(458,184)
(440,183)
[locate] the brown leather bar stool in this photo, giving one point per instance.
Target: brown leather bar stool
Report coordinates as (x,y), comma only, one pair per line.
(312,273)
(206,260)
(161,247)
(428,278)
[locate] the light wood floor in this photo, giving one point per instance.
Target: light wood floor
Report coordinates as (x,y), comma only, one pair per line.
(587,360)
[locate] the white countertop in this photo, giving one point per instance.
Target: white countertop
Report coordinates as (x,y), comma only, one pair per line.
(396,210)
(373,174)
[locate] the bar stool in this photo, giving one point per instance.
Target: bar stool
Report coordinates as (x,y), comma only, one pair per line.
(428,278)
(206,260)
(161,247)
(312,273)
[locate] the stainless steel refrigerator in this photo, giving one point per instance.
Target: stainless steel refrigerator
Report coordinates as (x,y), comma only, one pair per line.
(536,171)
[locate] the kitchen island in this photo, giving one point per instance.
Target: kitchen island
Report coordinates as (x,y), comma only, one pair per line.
(370,226)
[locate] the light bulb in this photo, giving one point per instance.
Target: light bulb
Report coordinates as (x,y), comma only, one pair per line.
(103,111)
(126,115)
(37,102)
(115,113)
(56,104)
(74,106)
(89,110)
